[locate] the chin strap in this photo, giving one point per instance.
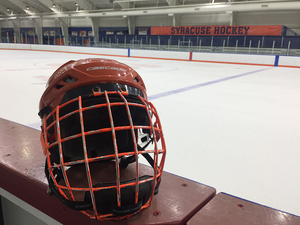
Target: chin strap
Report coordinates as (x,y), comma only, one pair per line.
(87,204)
(76,205)
(125,161)
(125,210)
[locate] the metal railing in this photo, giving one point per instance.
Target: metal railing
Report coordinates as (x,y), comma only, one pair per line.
(191,48)
(183,46)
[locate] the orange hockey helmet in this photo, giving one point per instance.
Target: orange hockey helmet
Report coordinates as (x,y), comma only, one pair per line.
(96,121)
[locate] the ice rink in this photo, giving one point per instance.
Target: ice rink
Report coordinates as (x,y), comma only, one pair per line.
(233,127)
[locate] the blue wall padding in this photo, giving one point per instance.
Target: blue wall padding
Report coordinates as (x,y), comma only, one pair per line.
(276,60)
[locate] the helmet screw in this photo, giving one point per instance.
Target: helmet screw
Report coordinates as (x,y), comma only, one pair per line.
(184,185)
(49,190)
(96,89)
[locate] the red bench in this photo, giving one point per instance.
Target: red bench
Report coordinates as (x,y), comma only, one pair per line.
(22,174)
(226,209)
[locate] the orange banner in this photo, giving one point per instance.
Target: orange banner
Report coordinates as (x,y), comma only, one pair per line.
(218,30)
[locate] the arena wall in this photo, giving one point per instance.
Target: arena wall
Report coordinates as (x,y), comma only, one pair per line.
(244,59)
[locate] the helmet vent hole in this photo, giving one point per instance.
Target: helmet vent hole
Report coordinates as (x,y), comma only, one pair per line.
(69,80)
(136,80)
(59,86)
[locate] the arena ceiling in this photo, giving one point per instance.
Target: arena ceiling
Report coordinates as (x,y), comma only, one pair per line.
(98,8)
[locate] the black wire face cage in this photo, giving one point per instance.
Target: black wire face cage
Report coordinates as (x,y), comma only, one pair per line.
(92,144)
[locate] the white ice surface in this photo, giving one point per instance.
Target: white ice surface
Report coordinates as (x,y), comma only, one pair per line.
(240,136)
